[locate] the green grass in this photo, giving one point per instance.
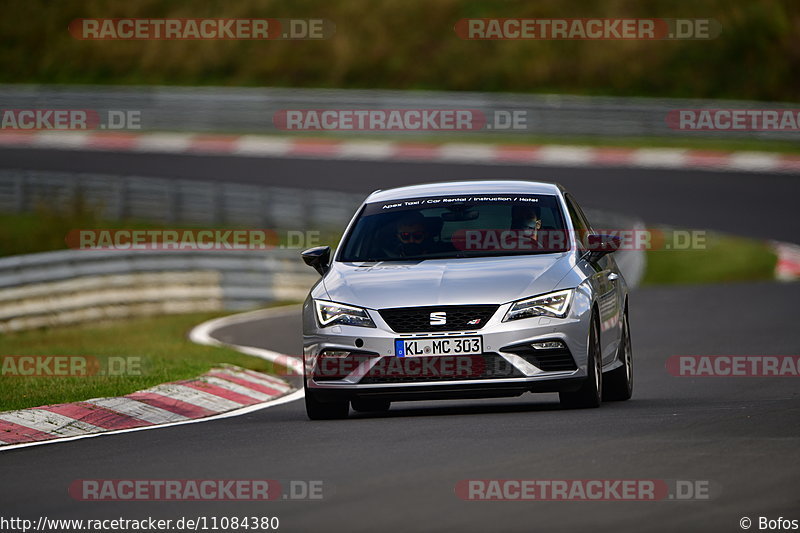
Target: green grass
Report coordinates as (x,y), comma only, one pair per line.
(725,259)
(411,44)
(161,343)
(46,228)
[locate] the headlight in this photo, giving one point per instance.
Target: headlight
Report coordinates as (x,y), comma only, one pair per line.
(330,314)
(555,304)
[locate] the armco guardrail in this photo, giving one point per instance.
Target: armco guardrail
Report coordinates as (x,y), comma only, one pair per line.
(251,110)
(173,201)
(72,286)
(69,286)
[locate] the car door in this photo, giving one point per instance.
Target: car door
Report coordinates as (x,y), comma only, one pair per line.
(605,280)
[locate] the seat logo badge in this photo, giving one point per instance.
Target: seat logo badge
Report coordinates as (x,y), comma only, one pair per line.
(438,318)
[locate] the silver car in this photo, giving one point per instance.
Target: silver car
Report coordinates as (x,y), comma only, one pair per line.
(471,289)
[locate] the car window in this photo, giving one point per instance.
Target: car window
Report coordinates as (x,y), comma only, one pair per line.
(579,221)
(456,226)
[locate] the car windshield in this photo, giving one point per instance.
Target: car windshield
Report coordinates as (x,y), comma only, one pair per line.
(445,227)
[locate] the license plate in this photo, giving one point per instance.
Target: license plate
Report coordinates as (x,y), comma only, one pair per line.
(438,346)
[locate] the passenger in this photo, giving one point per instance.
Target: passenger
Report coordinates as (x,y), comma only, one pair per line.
(527,220)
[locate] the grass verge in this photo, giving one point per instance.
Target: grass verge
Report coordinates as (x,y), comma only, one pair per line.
(725,258)
(46,229)
(161,343)
(411,44)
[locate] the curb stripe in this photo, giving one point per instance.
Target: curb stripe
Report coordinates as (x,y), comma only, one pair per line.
(253,145)
(140,410)
(272,381)
(94,415)
(49,422)
(315,148)
(375,150)
(13,433)
(521,154)
(366,150)
(788,265)
(407,150)
(613,156)
(221,392)
(162,142)
(113,141)
(237,388)
(213,144)
(173,405)
(790,163)
(245,382)
(181,392)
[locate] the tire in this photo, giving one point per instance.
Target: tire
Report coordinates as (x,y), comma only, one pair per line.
(371,406)
(317,410)
(590,394)
(618,384)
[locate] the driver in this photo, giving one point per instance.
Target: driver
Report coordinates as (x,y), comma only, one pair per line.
(413,236)
(527,220)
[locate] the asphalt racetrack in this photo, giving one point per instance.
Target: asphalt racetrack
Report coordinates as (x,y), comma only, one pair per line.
(398,472)
(750,204)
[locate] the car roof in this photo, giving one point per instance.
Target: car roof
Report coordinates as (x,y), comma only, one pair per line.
(446,188)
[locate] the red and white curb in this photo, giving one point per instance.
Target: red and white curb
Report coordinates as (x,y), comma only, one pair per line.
(448,152)
(221,393)
(788,266)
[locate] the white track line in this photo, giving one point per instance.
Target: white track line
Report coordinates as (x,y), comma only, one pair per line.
(201,334)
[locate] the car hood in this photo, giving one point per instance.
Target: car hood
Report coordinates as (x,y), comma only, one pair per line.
(484,280)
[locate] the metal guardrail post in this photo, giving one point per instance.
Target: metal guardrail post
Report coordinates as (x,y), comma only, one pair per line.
(243,110)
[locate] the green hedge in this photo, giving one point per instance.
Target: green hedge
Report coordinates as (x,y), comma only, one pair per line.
(411,44)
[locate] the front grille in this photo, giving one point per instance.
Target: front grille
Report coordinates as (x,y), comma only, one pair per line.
(457,318)
(556,360)
(440,368)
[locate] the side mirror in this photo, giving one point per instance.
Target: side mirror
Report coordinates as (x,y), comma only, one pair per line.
(319,258)
(601,245)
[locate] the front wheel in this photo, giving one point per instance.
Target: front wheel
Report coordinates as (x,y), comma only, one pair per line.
(317,410)
(618,384)
(590,393)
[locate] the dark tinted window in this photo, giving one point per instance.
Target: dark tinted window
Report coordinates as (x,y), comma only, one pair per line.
(579,221)
(456,226)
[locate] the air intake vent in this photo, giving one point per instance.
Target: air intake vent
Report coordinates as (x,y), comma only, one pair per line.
(438,318)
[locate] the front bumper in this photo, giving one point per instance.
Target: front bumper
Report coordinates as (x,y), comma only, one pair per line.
(372,370)
(447,390)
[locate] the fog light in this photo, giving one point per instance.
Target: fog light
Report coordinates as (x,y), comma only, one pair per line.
(547,345)
(334,353)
